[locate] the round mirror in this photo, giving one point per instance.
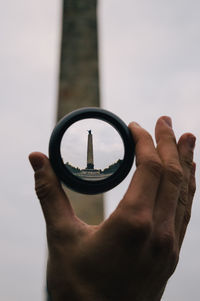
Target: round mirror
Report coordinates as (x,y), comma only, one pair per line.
(91,150)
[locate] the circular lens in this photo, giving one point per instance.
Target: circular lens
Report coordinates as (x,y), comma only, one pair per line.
(91,150)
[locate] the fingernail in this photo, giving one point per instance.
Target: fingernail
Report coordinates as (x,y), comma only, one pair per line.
(167,120)
(36,162)
(191,141)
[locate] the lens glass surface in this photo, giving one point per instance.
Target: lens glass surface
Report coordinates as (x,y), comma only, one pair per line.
(92,149)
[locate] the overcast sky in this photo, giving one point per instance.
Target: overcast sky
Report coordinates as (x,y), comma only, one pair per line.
(150,66)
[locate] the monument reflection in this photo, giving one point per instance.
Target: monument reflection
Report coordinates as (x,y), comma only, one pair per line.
(90,173)
(92,149)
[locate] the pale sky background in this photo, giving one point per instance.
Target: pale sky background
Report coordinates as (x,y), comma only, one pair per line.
(150,66)
(107,144)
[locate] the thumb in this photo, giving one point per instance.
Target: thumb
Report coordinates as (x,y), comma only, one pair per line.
(54,202)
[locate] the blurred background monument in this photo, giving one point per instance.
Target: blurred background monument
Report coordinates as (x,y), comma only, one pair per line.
(79,81)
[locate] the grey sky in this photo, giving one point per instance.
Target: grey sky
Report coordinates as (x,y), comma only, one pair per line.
(150,66)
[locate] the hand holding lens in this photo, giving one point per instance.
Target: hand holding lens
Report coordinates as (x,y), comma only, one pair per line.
(91,150)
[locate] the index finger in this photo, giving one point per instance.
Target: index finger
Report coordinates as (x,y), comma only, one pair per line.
(142,191)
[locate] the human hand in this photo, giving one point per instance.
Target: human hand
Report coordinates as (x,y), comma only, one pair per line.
(132,254)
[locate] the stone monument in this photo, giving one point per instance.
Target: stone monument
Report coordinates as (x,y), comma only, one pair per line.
(90,157)
(79,82)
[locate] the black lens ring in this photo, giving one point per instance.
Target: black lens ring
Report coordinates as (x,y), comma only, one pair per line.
(75,183)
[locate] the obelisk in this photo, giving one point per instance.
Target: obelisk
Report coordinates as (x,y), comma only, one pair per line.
(90,158)
(79,83)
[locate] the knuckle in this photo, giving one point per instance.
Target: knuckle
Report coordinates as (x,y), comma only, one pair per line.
(164,242)
(154,165)
(188,162)
(174,173)
(42,189)
(43,185)
(136,224)
(182,200)
(142,225)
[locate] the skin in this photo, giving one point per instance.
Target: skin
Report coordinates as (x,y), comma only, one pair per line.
(131,255)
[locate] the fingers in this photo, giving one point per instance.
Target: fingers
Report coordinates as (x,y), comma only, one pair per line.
(131,222)
(53,200)
(188,206)
(142,190)
(172,176)
(151,201)
(186,146)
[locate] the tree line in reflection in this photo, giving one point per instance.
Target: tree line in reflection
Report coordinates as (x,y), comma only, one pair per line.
(108,170)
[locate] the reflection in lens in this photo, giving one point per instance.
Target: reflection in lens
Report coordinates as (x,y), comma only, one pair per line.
(92,149)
